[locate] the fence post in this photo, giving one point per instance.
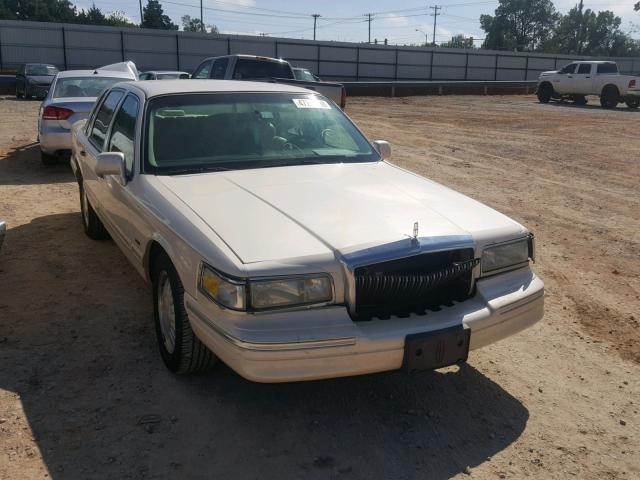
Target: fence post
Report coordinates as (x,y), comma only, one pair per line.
(526,69)
(357,64)
(277,49)
(1,69)
(431,66)
(64,48)
(395,73)
(318,59)
(495,70)
(228,45)
(178,50)
(466,65)
(122,44)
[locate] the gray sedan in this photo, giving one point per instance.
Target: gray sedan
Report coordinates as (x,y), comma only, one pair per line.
(70,98)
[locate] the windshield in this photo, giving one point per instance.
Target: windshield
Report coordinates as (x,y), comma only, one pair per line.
(248,68)
(190,133)
(43,70)
(301,74)
(84,86)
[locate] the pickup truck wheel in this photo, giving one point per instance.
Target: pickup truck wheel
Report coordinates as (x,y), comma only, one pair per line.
(610,97)
(181,351)
(93,227)
(19,94)
(635,103)
(544,93)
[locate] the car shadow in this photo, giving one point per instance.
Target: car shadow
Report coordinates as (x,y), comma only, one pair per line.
(22,166)
(78,348)
(593,105)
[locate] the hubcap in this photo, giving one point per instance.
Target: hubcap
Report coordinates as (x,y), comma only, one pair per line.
(166,312)
(85,208)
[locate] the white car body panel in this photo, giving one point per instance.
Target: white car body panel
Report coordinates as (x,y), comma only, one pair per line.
(591,83)
(297,220)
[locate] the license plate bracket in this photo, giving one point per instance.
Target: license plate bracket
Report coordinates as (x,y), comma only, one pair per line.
(437,349)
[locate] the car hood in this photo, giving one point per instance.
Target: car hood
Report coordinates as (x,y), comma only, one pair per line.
(550,72)
(292,212)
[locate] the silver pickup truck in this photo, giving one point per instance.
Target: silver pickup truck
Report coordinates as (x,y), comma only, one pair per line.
(254,68)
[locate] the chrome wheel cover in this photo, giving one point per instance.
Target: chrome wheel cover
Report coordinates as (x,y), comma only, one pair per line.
(166,312)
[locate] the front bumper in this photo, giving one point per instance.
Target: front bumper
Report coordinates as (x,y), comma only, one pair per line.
(53,137)
(325,342)
(633,93)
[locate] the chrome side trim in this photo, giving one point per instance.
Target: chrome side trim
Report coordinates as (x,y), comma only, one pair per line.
(272,346)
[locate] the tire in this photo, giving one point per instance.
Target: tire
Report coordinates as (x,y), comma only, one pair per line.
(610,97)
(634,103)
(18,93)
(93,226)
(544,93)
(181,350)
(580,100)
(48,159)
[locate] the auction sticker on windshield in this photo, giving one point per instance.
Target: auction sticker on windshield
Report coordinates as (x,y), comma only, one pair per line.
(311,103)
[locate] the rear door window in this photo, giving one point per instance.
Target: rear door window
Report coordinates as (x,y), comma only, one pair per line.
(584,68)
(220,68)
(103,118)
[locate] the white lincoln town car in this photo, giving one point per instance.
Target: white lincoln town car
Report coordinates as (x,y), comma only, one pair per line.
(280,240)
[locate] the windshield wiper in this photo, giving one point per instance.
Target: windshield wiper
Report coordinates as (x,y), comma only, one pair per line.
(192,170)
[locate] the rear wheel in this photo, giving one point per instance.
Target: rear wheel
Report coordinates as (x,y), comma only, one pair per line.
(633,103)
(93,226)
(610,97)
(544,93)
(181,350)
(19,94)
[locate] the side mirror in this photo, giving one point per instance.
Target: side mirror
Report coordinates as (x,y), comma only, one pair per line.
(111,163)
(383,148)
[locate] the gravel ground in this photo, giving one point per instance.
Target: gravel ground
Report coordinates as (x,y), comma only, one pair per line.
(84,395)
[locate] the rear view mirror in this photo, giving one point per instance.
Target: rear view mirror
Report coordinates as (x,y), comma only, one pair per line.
(110,163)
(383,148)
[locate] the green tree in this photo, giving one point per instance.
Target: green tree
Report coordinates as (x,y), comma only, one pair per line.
(153,17)
(636,7)
(519,24)
(458,41)
(93,16)
(194,25)
(119,19)
(38,10)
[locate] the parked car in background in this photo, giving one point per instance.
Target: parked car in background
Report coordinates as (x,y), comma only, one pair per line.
(277,238)
(164,75)
(70,98)
(252,67)
(34,79)
(305,75)
(578,79)
(3,232)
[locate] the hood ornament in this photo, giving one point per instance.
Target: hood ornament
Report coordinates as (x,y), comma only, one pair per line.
(415,233)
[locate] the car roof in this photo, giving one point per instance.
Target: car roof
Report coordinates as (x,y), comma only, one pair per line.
(253,57)
(45,64)
(152,88)
(165,71)
(94,73)
(593,61)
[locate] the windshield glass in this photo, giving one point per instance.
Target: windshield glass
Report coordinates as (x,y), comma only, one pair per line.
(84,86)
(247,68)
(44,70)
(190,133)
(305,75)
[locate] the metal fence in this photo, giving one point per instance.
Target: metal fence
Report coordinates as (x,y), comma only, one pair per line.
(83,46)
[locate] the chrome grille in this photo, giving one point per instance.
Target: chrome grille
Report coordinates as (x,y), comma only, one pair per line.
(415,284)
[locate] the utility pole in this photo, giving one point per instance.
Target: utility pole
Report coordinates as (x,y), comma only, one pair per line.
(201,19)
(141,13)
(579,39)
(435,19)
(315,20)
(369,15)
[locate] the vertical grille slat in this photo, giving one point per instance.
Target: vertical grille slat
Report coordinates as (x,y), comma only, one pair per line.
(414,284)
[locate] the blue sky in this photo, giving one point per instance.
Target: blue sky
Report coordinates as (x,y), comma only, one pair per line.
(342,20)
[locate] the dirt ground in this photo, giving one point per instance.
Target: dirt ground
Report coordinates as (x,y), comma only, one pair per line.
(84,395)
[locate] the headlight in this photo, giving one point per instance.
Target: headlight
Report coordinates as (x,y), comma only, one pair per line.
(265,294)
(290,292)
(508,255)
(227,292)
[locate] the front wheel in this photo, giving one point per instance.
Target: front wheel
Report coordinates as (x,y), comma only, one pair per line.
(181,350)
(634,103)
(544,93)
(19,94)
(93,227)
